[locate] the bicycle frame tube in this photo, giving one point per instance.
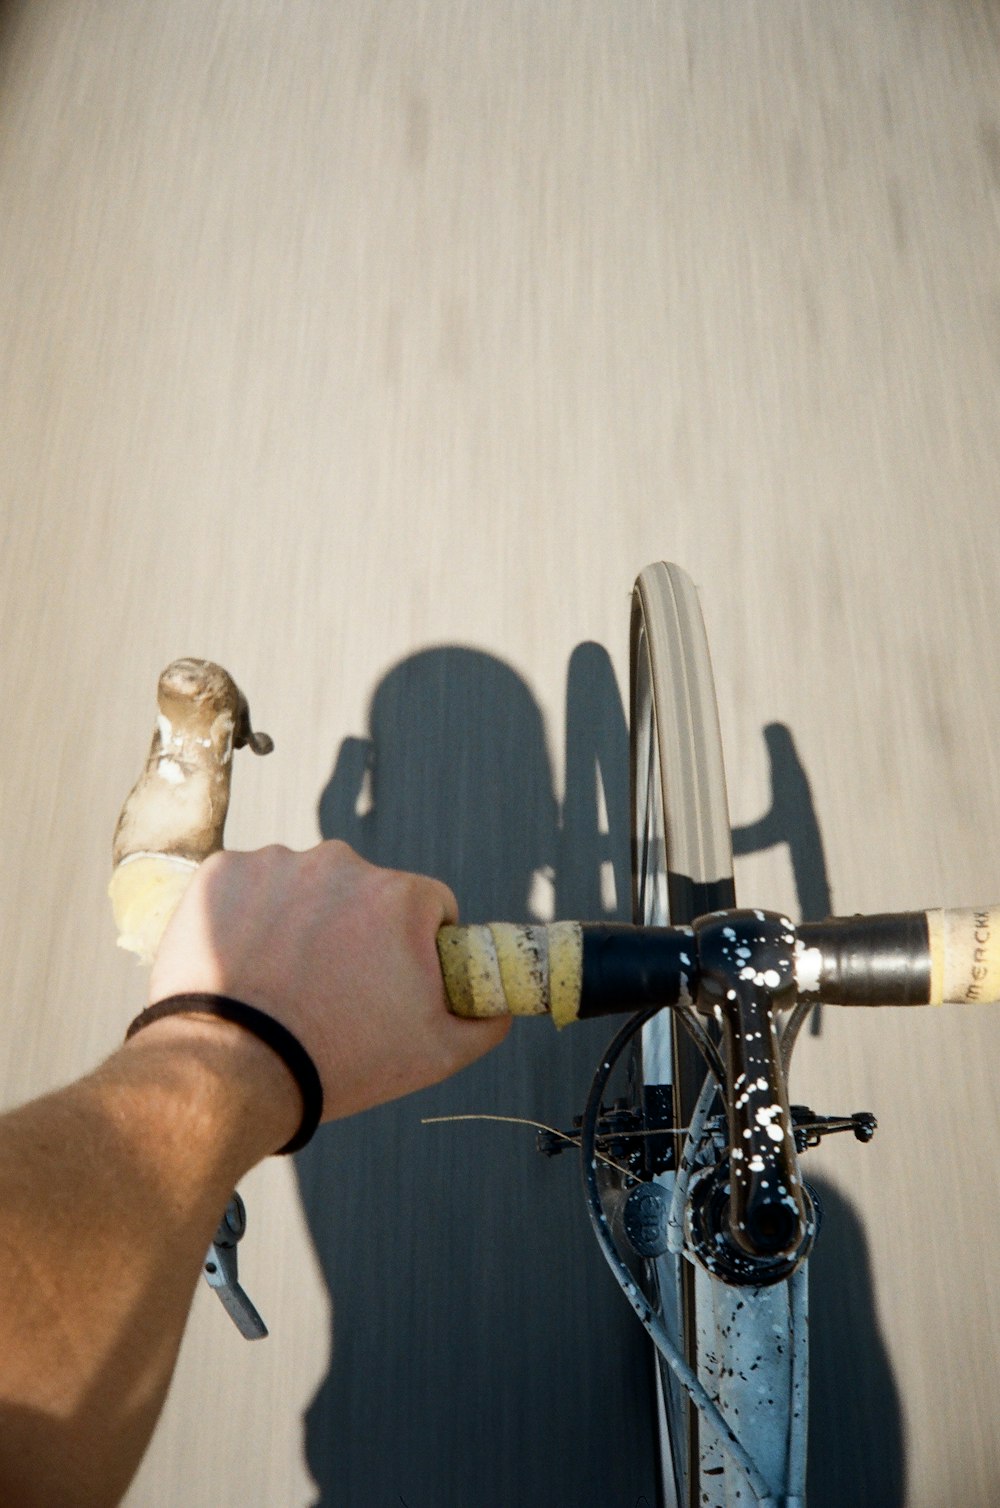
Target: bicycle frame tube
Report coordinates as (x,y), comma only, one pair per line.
(751,1382)
(752,1348)
(743,1465)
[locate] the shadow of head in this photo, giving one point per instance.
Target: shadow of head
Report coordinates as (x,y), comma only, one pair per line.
(454,780)
(469,1305)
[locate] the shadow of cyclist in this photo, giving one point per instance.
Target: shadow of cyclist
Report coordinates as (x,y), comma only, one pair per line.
(480,1351)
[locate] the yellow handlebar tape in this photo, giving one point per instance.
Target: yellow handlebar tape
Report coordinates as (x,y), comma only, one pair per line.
(965,955)
(508,970)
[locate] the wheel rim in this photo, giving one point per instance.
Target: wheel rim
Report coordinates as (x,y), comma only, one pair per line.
(681,868)
(678,748)
(649,869)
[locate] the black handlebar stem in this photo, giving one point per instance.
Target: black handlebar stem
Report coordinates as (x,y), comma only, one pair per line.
(747,967)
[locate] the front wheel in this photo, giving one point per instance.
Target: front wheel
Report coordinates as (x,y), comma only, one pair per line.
(746,1346)
(682,868)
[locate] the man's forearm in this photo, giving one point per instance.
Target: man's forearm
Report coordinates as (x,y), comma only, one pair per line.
(110,1192)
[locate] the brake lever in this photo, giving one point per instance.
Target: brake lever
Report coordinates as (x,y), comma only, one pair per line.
(221,1272)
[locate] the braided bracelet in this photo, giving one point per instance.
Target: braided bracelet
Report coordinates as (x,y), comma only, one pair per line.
(288,1048)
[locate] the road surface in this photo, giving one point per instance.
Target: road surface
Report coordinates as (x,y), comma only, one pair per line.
(371,350)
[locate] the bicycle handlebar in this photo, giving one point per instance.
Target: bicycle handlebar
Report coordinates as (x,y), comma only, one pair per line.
(573,970)
(738,966)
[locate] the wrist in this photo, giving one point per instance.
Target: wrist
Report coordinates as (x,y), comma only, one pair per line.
(229,1089)
(267,1029)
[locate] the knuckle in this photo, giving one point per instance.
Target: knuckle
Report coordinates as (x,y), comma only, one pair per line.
(272,859)
(421,894)
(276,851)
(336,852)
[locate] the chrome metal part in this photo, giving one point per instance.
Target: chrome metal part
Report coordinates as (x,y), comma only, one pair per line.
(221,1272)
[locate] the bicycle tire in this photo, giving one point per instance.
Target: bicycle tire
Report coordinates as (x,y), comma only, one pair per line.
(682,868)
